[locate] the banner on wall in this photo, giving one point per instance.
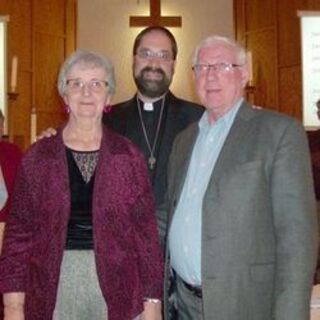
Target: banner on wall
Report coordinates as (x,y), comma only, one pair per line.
(310,45)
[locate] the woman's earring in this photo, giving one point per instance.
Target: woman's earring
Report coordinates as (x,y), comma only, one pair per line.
(107,108)
(66,109)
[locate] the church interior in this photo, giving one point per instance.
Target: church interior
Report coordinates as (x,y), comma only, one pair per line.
(40,34)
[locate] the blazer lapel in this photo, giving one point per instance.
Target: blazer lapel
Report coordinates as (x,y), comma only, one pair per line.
(181,163)
(231,153)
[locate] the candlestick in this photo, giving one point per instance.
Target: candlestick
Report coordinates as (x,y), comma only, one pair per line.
(250,67)
(14,73)
(13,96)
(33,125)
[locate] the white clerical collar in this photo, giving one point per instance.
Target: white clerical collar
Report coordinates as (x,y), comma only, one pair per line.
(148,106)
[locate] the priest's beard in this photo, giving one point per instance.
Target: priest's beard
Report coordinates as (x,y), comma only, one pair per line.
(150,87)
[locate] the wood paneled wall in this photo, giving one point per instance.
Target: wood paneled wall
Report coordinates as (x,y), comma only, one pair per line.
(41,33)
(271,30)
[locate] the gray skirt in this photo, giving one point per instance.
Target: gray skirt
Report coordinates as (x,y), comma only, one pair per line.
(79,295)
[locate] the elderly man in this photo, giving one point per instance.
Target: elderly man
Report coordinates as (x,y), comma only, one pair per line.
(242,233)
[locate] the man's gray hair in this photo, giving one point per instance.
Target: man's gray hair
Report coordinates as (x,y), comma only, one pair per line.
(218,40)
(90,59)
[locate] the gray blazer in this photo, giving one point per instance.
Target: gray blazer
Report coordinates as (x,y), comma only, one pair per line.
(259,230)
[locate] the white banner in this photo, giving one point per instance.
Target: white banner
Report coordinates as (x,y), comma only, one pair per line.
(310,38)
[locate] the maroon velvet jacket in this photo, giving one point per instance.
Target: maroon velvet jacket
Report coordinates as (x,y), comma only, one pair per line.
(10,157)
(128,257)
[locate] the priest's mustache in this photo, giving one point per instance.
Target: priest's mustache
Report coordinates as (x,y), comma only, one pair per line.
(156,70)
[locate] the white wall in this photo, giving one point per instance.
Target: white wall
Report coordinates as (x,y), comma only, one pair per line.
(103,26)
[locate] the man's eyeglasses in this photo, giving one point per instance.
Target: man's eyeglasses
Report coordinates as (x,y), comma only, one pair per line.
(221,68)
(93,85)
(148,55)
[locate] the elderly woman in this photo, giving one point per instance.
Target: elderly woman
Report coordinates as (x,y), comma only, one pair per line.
(81,240)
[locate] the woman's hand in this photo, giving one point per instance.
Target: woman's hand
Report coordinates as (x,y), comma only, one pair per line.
(13,313)
(152,311)
(13,305)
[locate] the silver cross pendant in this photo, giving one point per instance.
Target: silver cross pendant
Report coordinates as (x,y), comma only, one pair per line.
(152,162)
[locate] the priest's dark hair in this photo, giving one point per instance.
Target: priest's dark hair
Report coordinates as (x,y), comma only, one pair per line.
(164,30)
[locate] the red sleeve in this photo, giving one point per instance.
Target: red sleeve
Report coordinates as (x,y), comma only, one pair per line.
(10,158)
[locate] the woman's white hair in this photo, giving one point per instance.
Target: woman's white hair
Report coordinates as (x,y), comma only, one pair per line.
(90,59)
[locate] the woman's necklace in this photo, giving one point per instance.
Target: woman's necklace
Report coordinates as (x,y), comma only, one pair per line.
(152,159)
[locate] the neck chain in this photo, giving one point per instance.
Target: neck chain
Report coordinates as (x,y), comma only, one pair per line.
(152,159)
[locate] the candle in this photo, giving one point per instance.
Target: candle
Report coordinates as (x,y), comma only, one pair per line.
(250,66)
(33,126)
(14,72)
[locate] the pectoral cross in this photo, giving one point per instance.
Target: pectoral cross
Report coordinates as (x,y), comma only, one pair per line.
(155,18)
(152,161)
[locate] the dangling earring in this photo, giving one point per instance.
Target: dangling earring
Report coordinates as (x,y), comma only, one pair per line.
(107,108)
(66,108)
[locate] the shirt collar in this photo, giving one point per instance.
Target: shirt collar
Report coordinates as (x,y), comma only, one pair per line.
(227,118)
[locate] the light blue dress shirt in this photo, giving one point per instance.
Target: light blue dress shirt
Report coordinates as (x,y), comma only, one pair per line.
(185,231)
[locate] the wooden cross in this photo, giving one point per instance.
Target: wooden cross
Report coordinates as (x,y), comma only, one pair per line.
(155,18)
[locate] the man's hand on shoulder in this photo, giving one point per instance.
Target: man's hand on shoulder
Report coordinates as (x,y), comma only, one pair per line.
(47,133)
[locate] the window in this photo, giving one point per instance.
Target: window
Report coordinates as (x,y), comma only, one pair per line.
(310,35)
